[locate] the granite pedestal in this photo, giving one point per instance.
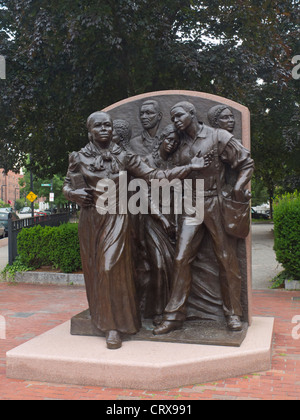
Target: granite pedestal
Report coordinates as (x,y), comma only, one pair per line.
(59,357)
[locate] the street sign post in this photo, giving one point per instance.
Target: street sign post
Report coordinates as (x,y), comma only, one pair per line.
(31,196)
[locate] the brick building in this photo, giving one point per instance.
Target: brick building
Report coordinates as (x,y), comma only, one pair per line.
(9,187)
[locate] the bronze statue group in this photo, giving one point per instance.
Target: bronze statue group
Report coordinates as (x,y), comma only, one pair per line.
(145,265)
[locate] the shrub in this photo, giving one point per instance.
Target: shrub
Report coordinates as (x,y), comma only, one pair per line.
(9,271)
(55,246)
(287,233)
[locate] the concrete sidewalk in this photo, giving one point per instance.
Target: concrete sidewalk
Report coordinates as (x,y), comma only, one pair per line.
(264,264)
(3,253)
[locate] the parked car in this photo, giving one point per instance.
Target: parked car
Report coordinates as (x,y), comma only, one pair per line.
(25,210)
(4,219)
(50,211)
(24,213)
(40,214)
(6,210)
(2,230)
(256,215)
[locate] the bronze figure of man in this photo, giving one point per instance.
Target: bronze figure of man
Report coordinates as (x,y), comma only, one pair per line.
(199,139)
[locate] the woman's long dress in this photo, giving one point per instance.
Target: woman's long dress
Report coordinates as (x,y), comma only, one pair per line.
(160,249)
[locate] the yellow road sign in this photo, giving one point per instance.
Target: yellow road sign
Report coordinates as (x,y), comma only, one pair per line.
(31,196)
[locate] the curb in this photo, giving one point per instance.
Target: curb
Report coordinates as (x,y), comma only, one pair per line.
(33,277)
(292,284)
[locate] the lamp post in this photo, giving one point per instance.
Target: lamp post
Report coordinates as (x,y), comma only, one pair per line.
(16,188)
(4,185)
(31,185)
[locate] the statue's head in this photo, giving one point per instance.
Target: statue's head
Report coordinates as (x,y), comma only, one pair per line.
(100,127)
(122,132)
(221,116)
(169,139)
(150,114)
(183,114)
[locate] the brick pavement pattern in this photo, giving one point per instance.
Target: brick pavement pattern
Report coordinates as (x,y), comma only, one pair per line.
(30,310)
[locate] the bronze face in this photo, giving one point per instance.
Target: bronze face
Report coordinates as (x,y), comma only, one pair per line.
(170,143)
(101,128)
(149,116)
(181,118)
(226,120)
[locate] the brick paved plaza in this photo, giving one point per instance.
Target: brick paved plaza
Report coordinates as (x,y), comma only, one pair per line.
(30,310)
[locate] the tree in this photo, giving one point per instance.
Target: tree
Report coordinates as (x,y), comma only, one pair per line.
(259,192)
(69,58)
(3,204)
(271,150)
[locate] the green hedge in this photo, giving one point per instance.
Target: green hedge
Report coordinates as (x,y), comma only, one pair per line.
(55,246)
(287,233)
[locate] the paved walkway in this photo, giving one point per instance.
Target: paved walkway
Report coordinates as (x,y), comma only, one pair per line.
(264,264)
(29,310)
(3,252)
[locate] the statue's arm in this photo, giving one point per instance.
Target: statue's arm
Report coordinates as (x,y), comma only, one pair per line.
(238,157)
(75,188)
(139,169)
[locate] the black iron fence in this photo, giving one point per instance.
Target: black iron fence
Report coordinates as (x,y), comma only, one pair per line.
(15,226)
